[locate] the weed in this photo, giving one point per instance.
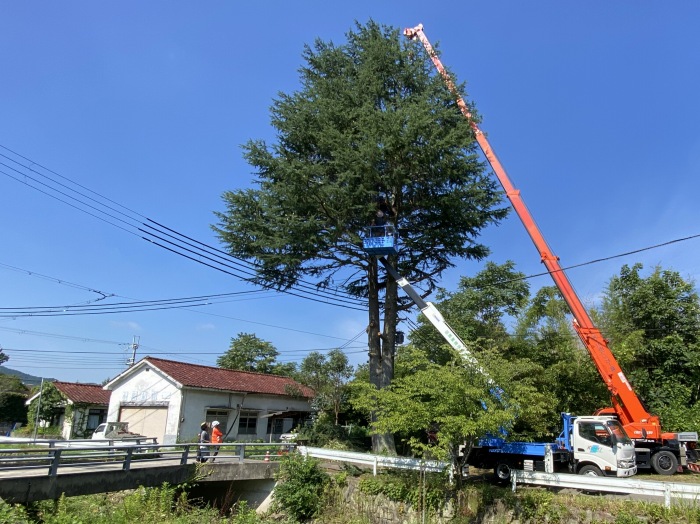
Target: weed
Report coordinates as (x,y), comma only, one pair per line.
(302,482)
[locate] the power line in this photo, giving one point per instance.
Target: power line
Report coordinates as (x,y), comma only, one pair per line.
(604,259)
(180,244)
(119,307)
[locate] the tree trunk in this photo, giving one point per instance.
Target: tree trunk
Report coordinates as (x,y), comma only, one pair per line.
(381,368)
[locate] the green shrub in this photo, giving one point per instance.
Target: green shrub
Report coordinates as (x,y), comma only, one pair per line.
(325,433)
(407,487)
(299,492)
(15,514)
(538,505)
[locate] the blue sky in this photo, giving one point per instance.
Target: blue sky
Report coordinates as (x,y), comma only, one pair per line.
(591,106)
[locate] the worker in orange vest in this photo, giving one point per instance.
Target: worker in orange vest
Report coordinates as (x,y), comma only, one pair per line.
(217,437)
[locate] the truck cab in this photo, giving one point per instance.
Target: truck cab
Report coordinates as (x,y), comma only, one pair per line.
(598,446)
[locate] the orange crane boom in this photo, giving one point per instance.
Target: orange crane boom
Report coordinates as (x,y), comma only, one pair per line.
(638,423)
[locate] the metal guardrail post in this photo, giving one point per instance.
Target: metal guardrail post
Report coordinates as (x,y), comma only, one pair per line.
(241,453)
(127,459)
(56,459)
(185,455)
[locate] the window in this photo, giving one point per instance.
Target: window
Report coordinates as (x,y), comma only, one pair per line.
(596,432)
(95,418)
(218,414)
(275,425)
(248,423)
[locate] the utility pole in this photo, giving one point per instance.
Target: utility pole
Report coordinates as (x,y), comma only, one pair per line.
(134,346)
(38,408)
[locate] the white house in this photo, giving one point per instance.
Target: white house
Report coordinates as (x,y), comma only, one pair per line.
(169,400)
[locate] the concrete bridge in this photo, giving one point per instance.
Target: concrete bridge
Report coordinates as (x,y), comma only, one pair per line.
(43,475)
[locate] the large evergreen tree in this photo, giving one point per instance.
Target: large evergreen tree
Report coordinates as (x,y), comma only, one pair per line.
(370,122)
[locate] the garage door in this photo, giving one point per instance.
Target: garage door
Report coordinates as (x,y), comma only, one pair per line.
(148,421)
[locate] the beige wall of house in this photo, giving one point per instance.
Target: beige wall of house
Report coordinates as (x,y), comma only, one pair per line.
(145,395)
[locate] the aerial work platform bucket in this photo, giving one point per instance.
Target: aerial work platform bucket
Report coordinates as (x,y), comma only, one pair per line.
(380,240)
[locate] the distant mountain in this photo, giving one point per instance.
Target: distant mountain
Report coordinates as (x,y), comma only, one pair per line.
(29,380)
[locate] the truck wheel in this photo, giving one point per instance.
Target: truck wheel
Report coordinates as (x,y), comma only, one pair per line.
(502,473)
(664,463)
(591,471)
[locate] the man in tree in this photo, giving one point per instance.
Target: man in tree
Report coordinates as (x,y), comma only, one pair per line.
(371,121)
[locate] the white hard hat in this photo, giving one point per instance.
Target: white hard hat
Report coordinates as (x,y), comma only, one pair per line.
(215,423)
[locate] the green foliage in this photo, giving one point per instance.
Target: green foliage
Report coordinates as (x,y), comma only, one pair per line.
(477,502)
(16,514)
(250,353)
(538,505)
(164,505)
(50,404)
(451,398)
(325,433)
(409,487)
(568,378)
(12,408)
(653,324)
(371,117)
(476,311)
(300,488)
(328,375)
(244,514)
(12,384)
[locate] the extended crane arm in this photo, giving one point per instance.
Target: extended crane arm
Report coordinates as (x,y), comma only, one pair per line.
(436,319)
(637,421)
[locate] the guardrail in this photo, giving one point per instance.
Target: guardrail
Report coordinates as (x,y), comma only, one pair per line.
(80,443)
(376,461)
(60,459)
(668,491)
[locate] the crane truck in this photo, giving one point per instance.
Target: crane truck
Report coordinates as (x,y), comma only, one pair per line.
(590,445)
(664,452)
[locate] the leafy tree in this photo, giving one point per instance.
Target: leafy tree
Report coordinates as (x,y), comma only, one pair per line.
(653,324)
(476,311)
(12,384)
(3,357)
(247,352)
(50,405)
(372,121)
(457,400)
(544,335)
(13,395)
(328,375)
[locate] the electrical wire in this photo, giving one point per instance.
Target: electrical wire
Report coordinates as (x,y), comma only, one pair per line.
(180,244)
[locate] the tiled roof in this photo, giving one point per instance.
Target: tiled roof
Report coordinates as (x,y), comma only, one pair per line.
(208,377)
(83,393)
